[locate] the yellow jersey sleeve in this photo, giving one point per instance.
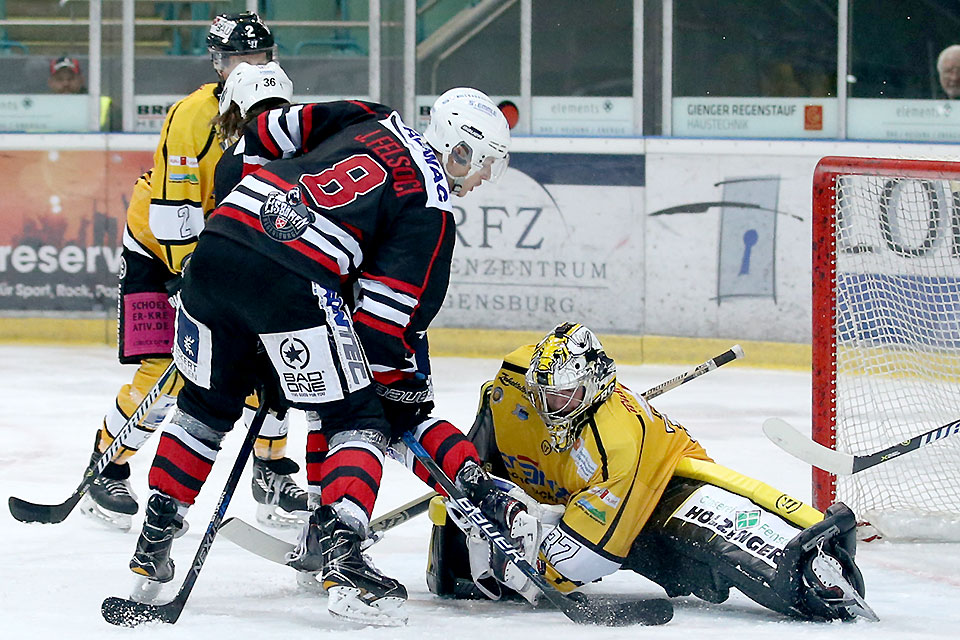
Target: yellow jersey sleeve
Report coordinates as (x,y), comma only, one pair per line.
(182,178)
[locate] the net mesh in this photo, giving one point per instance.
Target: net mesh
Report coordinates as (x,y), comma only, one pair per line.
(897,329)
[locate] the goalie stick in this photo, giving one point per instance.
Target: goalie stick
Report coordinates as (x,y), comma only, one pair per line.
(785,436)
(581,608)
(733,353)
(129,613)
(271,548)
(53,513)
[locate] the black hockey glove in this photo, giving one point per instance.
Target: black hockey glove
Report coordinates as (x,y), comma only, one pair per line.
(406,403)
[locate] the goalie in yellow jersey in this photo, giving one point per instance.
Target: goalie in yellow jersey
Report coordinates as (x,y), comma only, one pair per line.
(610,483)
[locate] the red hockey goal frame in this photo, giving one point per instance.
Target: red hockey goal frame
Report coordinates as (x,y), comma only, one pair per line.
(824,342)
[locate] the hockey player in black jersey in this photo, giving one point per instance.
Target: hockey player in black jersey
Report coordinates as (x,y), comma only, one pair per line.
(333,253)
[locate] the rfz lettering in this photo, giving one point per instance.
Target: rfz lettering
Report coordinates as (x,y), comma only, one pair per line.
(492,219)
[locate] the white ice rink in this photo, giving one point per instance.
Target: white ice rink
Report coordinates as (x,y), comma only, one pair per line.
(54,577)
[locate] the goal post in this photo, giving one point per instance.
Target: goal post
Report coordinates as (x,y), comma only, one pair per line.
(886,337)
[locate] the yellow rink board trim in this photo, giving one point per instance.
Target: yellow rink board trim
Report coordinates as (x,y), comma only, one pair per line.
(470,343)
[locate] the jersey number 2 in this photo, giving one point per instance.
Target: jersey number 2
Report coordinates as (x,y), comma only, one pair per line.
(344,182)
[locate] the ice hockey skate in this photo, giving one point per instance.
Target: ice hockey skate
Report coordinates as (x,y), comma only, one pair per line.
(357,591)
(152,560)
(110,500)
(823,576)
(280,502)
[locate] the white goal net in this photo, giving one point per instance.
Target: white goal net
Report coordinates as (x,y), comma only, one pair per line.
(886,270)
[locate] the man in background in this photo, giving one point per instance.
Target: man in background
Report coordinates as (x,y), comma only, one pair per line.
(948,69)
(65,76)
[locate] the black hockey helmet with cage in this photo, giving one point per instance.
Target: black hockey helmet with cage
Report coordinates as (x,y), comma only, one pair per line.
(239,33)
(235,37)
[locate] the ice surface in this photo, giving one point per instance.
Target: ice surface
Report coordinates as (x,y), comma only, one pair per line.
(54,577)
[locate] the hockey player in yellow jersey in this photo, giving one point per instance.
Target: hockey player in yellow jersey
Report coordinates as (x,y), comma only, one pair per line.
(165,215)
(611,483)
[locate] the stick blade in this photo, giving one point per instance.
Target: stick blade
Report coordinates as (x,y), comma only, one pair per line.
(46,513)
(618,611)
(127,613)
(784,435)
(255,541)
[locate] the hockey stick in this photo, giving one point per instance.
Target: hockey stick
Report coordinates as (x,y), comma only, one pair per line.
(584,609)
(261,543)
(129,613)
(52,513)
(785,436)
(733,353)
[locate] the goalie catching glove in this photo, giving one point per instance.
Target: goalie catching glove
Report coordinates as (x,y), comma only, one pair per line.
(518,515)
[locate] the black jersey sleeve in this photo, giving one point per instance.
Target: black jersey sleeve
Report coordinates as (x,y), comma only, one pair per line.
(294,130)
(402,287)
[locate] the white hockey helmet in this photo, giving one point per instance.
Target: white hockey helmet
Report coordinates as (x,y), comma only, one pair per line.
(467,126)
(569,375)
(249,84)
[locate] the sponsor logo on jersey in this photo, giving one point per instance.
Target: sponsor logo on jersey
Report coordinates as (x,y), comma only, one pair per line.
(184,177)
(294,353)
(504,378)
(586,467)
(605,495)
(527,473)
(284,217)
(596,514)
(192,349)
(182,161)
(739,521)
(521,413)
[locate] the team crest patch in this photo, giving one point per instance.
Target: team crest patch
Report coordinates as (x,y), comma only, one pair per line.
(284,217)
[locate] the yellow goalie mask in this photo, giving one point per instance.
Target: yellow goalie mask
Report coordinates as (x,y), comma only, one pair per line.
(569,375)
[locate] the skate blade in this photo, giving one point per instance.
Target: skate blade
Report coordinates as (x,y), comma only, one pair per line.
(109,519)
(345,603)
(273,516)
(145,590)
(308,580)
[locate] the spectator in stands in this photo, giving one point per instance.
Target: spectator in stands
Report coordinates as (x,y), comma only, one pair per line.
(948,68)
(65,76)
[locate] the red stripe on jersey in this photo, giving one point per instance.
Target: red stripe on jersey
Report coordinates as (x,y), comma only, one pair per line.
(274,180)
(389,377)
(362,106)
(263,132)
(365,318)
(436,252)
(250,168)
(396,285)
(253,221)
(306,120)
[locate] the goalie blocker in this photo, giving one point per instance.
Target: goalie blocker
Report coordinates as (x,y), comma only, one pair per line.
(708,529)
